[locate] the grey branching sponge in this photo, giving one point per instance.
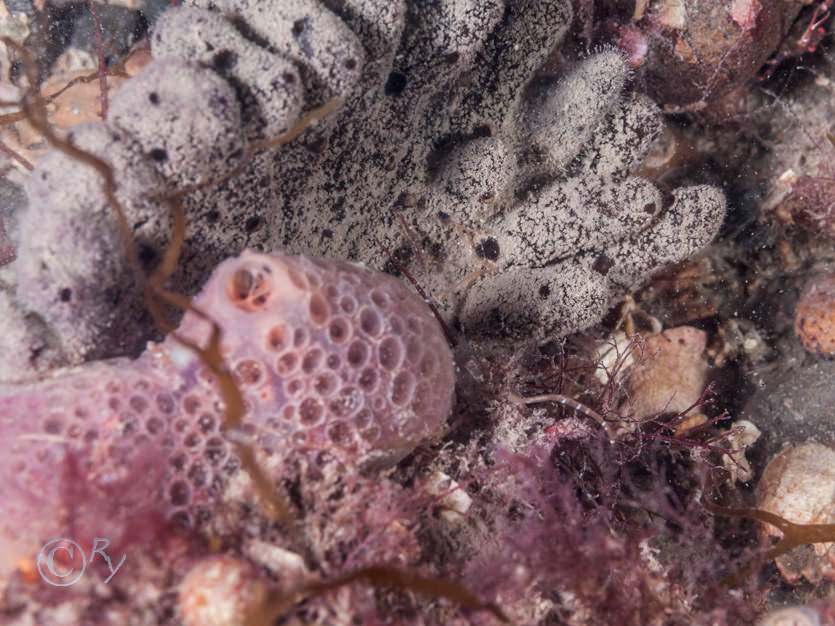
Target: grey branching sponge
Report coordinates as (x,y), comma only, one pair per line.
(511,200)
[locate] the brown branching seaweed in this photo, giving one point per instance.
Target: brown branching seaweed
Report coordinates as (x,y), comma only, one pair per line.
(32,108)
(100,54)
(793,534)
(381,576)
(17,157)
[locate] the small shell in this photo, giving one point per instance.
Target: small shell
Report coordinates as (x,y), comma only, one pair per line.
(791,616)
(219,591)
(455,504)
(799,485)
(674,376)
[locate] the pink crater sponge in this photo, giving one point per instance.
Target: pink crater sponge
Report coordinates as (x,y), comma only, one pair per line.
(329,355)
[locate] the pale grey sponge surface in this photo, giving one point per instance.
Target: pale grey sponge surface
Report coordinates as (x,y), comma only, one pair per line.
(185,117)
(269,87)
(511,200)
(71,267)
(566,114)
(305,32)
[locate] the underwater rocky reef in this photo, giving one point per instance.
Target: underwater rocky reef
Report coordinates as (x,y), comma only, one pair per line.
(417,312)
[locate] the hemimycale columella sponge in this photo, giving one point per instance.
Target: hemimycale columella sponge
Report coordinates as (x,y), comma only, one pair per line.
(329,356)
(516,199)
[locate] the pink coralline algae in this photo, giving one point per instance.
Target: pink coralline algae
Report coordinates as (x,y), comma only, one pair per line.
(329,356)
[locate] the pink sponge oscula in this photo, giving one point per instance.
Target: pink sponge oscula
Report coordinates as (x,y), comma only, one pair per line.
(328,354)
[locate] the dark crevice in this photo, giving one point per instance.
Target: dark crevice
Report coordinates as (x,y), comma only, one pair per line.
(248,33)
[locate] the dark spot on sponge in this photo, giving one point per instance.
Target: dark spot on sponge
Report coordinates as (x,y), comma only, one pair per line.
(395,84)
(482,131)
(602,264)
(299,26)
(224,61)
(147,255)
(252,224)
(488,249)
(159,155)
